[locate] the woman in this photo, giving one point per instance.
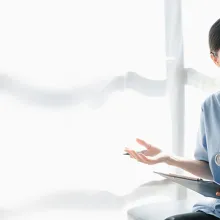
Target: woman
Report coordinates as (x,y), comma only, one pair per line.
(207,153)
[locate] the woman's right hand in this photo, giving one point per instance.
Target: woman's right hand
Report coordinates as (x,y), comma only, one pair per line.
(152,155)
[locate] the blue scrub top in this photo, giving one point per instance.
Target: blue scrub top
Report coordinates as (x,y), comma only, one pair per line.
(208,148)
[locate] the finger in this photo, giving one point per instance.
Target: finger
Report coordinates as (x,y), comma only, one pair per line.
(143,143)
(144,158)
(129,152)
(139,157)
(218,194)
(133,154)
(148,160)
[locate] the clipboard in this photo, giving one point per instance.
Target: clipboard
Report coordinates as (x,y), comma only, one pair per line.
(203,187)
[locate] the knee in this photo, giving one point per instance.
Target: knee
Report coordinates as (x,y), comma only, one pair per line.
(171,218)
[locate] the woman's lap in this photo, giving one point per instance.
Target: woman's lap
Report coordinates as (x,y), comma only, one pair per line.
(192,216)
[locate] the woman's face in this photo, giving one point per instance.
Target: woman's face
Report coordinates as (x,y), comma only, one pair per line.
(215,56)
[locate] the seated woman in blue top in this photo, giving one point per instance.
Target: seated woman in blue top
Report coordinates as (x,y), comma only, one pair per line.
(207,153)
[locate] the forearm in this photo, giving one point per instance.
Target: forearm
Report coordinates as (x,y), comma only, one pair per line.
(195,167)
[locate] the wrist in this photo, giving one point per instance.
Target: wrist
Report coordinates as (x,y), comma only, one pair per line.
(170,160)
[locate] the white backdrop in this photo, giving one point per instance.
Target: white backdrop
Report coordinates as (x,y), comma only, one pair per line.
(52,140)
(57,47)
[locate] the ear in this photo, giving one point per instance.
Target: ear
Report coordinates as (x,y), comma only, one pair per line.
(215,59)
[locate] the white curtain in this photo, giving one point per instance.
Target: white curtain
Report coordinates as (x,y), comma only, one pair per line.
(70,102)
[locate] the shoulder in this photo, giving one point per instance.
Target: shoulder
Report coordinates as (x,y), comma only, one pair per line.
(211,102)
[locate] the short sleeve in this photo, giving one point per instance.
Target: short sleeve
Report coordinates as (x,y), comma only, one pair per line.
(201,145)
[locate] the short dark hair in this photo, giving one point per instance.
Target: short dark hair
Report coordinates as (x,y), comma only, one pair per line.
(214,38)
